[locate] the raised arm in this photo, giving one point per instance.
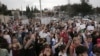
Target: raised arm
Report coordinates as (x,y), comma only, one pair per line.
(85,40)
(28,43)
(68,44)
(20,47)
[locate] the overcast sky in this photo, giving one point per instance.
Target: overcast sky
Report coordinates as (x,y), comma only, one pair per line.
(16,4)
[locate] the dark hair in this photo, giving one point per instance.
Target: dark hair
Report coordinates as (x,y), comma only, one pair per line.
(5,32)
(96,49)
(81,49)
(43,48)
(46,46)
(0,31)
(62,47)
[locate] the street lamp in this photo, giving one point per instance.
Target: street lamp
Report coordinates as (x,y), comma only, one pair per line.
(69,7)
(40,8)
(68,2)
(22,10)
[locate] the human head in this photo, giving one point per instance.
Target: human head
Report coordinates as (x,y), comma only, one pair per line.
(62,48)
(89,38)
(47,50)
(76,40)
(81,51)
(96,50)
(97,33)
(63,29)
(5,32)
(15,40)
(46,30)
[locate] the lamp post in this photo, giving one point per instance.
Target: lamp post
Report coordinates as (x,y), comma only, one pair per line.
(40,8)
(68,2)
(21,12)
(69,7)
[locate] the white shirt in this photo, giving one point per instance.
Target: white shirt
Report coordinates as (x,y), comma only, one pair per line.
(90,27)
(83,26)
(43,35)
(36,28)
(26,30)
(8,38)
(54,41)
(62,54)
(77,24)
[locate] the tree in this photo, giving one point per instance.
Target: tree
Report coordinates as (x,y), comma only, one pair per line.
(85,9)
(32,10)
(72,10)
(9,12)
(84,1)
(97,10)
(28,11)
(3,9)
(75,9)
(36,10)
(31,13)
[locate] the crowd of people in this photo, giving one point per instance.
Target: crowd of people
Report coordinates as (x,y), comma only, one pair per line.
(75,37)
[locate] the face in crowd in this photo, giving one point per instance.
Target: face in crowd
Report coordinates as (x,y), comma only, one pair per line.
(81,51)
(76,40)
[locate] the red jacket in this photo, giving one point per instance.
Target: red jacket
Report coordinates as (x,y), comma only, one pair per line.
(64,35)
(98,42)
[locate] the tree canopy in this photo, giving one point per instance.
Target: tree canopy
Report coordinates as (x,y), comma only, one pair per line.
(75,9)
(4,10)
(30,11)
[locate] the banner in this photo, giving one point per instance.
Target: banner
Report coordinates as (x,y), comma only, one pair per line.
(25,21)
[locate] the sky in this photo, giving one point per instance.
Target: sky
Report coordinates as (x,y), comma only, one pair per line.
(21,4)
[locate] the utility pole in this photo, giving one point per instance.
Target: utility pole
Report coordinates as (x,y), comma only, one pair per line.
(21,10)
(69,7)
(68,2)
(40,8)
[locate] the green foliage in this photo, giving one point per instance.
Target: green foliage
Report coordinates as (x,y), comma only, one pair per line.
(76,9)
(4,10)
(30,12)
(36,10)
(85,9)
(97,10)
